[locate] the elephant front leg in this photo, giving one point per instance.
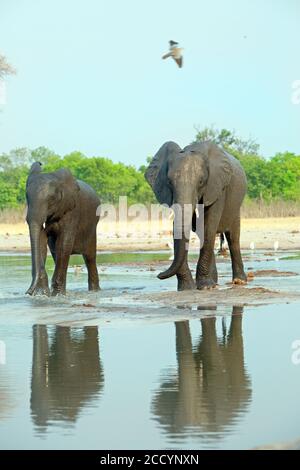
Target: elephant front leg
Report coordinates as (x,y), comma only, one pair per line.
(185,279)
(59,279)
(206,277)
(184,276)
(213,268)
(206,274)
(42,286)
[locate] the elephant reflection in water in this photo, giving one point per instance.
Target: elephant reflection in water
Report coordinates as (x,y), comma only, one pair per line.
(211,387)
(66,373)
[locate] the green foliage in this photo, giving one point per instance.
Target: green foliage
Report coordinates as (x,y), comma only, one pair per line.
(8,195)
(110,180)
(276,178)
(228,139)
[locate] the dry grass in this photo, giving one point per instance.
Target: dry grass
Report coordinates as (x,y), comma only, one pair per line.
(261,209)
(12,216)
(157,235)
(250,210)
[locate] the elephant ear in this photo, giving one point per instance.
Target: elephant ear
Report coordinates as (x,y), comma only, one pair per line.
(157,172)
(220,172)
(67,189)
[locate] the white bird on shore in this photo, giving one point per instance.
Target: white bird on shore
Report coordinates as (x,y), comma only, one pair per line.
(252,246)
(276,245)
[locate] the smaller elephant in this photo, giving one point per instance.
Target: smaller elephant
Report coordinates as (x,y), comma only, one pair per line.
(200,174)
(63,213)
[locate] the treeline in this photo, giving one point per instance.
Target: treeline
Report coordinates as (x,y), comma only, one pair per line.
(109,179)
(275,178)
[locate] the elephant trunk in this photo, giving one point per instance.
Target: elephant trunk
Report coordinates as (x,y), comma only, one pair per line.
(35,241)
(182,228)
(180,251)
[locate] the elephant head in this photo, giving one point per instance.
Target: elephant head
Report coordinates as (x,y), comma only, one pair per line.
(186,177)
(49,197)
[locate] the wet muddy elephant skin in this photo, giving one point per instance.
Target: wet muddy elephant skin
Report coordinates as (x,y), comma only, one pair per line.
(62,212)
(201,173)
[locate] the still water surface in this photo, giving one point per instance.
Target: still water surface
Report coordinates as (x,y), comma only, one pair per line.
(223,380)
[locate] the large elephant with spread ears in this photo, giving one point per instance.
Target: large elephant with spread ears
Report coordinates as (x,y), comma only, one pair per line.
(62,212)
(201,173)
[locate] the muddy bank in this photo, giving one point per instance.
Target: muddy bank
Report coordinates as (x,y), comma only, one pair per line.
(169,306)
(117,307)
(235,295)
(270,273)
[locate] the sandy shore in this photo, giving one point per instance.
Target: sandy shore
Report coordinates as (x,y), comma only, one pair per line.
(146,236)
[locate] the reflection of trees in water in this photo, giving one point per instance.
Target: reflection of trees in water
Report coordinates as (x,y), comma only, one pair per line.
(211,389)
(66,373)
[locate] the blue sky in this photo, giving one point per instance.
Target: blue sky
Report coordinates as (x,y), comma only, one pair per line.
(90,75)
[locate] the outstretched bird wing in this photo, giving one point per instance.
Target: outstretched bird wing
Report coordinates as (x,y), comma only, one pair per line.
(165,56)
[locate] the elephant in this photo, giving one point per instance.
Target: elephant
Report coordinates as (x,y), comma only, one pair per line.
(201,173)
(63,213)
(211,388)
(67,373)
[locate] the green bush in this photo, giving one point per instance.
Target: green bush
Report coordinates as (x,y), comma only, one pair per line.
(110,180)
(276,178)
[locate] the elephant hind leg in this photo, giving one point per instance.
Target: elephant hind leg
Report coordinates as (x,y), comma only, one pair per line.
(93,277)
(63,251)
(233,239)
(51,244)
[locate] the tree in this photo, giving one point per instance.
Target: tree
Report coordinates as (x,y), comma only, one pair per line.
(8,195)
(228,139)
(5,67)
(42,155)
(274,178)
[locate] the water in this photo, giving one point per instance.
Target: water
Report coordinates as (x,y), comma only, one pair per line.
(89,371)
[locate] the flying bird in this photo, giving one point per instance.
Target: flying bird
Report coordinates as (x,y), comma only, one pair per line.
(175,52)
